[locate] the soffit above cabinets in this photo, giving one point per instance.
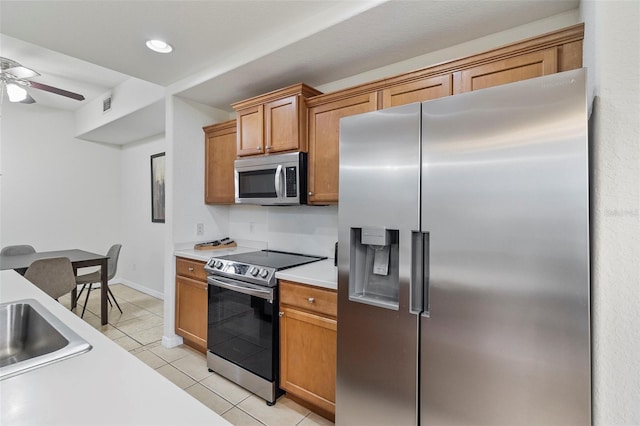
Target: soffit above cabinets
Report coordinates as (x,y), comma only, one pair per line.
(225,51)
(138,125)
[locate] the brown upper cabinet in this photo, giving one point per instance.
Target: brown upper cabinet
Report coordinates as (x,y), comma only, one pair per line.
(517,68)
(542,55)
(288,119)
(420,90)
(273,122)
(325,112)
(219,155)
(324,135)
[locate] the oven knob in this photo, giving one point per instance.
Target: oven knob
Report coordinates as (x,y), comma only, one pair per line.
(264,273)
(217,264)
(253,271)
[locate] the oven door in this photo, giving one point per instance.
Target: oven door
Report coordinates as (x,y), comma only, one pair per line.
(242,325)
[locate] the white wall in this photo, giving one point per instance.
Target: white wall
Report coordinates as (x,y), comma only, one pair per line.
(60,192)
(187,121)
(57,192)
(612,55)
(300,229)
(185,193)
(129,96)
(142,256)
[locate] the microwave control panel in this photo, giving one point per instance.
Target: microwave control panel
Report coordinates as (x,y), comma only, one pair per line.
(291,178)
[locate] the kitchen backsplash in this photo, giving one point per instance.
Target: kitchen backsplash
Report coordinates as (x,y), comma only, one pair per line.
(300,229)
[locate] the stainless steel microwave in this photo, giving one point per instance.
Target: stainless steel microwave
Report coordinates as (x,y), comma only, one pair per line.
(276,180)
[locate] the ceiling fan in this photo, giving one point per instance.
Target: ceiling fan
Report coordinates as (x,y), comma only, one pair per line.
(14,78)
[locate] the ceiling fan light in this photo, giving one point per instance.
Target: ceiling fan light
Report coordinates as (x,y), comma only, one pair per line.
(159,46)
(16,93)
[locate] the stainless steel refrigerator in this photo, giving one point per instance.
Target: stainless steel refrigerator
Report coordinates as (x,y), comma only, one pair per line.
(463,268)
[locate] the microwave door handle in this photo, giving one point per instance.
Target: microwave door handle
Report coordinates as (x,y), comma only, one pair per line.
(236,185)
(278,181)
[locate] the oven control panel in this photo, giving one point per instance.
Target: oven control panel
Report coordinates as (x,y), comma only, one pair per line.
(255,274)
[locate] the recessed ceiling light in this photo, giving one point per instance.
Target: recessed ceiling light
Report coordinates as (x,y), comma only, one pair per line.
(159,46)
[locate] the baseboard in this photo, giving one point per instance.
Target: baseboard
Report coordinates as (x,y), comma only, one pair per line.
(171,341)
(135,286)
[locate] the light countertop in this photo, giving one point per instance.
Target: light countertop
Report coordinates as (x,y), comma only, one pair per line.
(205,255)
(105,386)
(319,274)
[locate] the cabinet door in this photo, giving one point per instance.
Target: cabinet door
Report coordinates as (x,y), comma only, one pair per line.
(191,311)
(308,357)
(219,153)
(417,91)
(281,125)
(324,143)
(509,70)
(250,131)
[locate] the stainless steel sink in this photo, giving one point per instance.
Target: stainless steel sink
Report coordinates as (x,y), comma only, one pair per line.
(32,337)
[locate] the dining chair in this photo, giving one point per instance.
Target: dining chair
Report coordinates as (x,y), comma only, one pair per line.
(16,251)
(54,276)
(95,277)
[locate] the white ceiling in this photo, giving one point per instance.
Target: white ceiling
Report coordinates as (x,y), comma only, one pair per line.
(227,51)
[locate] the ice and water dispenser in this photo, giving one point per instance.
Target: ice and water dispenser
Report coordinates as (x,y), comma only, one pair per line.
(374,268)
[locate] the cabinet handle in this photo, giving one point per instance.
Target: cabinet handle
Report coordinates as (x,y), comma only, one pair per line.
(310,193)
(281,314)
(311,300)
(190,269)
(258,148)
(268,148)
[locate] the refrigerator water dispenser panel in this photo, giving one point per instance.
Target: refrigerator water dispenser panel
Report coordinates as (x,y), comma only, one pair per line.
(376,236)
(374,278)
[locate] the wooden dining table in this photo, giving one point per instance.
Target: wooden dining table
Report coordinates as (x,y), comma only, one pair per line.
(78,258)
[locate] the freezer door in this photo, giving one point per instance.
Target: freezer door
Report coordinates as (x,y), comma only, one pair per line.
(506,340)
(378,210)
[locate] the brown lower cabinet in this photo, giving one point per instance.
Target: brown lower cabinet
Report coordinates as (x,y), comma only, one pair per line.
(191,303)
(308,330)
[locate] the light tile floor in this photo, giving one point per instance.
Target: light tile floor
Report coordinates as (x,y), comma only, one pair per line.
(139,330)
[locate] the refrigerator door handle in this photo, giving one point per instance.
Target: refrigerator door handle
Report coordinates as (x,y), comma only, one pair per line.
(419,296)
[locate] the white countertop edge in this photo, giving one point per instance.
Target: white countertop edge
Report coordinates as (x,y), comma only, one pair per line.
(205,255)
(320,274)
(107,380)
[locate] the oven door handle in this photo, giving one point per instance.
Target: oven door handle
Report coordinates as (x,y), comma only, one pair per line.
(263,294)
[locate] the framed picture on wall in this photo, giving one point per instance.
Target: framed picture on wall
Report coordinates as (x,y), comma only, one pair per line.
(157,187)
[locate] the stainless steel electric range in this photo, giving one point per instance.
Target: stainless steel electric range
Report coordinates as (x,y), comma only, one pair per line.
(243,332)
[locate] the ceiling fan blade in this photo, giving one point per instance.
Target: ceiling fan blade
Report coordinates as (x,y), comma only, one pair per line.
(55,90)
(21,72)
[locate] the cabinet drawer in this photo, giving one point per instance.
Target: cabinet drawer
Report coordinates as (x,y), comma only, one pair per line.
(309,298)
(191,268)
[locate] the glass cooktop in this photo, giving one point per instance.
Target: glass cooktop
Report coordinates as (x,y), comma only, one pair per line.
(272,259)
